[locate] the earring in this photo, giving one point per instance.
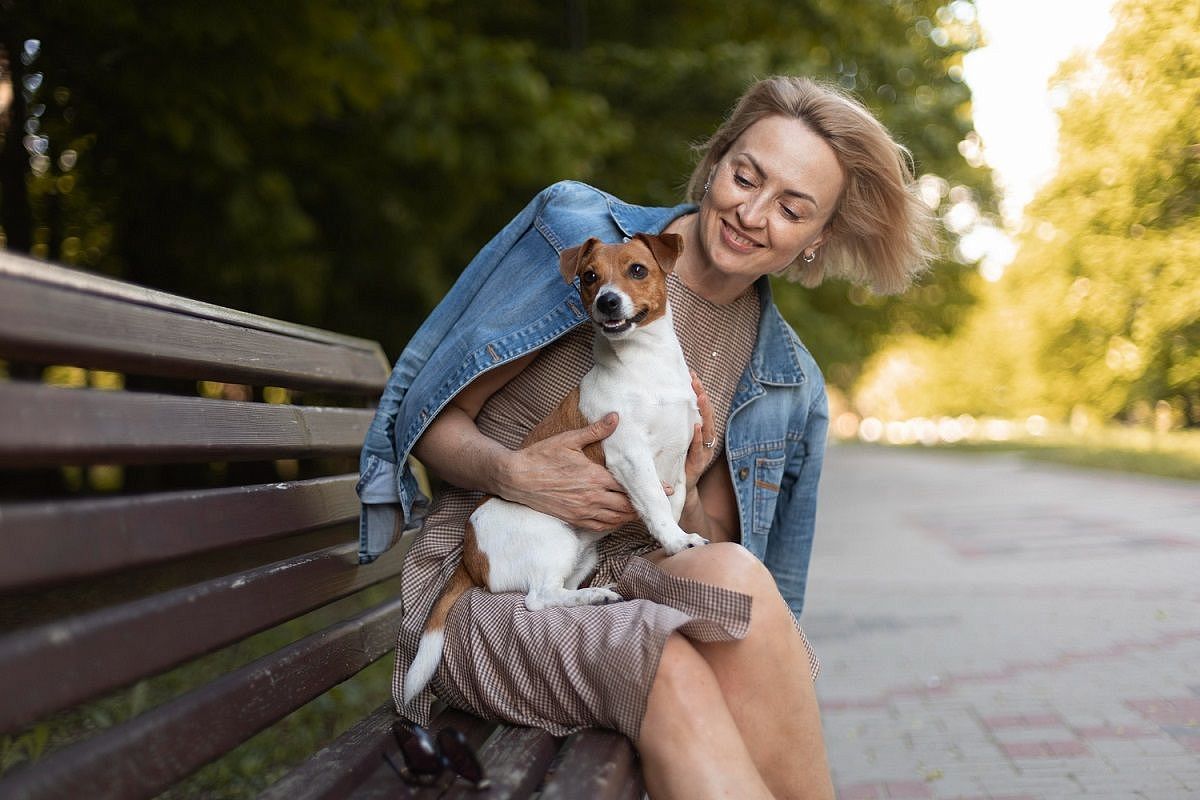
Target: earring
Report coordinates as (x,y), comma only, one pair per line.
(809,257)
(707,184)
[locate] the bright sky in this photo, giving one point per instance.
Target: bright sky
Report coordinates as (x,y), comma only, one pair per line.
(1014,111)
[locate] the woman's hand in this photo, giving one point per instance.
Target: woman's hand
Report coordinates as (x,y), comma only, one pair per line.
(700,454)
(694,518)
(555,477)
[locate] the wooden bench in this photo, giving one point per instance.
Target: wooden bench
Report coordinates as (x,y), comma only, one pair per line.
(178,568)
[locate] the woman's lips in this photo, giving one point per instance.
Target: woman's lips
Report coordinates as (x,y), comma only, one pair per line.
(736,240)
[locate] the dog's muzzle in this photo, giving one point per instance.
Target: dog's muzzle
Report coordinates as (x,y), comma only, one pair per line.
(609,311)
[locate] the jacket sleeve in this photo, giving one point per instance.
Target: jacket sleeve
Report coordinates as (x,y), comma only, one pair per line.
(392,501)
(789,546)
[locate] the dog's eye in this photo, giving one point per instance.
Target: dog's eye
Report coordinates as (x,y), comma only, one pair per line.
(638,271)
(588,278)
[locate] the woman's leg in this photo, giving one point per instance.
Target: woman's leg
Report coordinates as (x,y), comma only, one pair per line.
(690,745)
(764,678)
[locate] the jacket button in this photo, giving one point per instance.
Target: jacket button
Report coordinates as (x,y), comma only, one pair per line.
(743,473)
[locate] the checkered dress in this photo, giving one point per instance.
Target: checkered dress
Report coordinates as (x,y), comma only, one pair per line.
(563,669)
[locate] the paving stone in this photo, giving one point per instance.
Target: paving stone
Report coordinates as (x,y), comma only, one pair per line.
(985,642)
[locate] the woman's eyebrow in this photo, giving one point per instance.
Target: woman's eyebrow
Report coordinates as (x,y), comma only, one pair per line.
(793,192)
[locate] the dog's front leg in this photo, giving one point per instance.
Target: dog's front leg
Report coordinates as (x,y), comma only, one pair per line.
(633,466)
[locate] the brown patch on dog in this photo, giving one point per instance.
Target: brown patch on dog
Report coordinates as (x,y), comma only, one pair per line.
(474,560)
(460,583)
(565,417)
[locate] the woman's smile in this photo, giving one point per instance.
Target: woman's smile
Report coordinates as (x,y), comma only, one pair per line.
(736,239)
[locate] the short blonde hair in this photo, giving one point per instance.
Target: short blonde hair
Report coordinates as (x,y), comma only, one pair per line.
(881,232)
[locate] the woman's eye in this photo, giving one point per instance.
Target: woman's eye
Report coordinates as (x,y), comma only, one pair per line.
(588,277)
(742,181)
(792,215)
(637,271)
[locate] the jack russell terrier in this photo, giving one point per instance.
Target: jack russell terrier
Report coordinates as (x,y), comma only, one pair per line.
(640,373)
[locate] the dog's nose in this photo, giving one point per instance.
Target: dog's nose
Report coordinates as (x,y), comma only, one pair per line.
(608,303)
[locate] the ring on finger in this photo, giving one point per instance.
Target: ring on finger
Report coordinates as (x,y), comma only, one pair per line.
(709,444)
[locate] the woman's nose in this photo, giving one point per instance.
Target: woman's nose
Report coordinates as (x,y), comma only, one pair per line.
(752,212)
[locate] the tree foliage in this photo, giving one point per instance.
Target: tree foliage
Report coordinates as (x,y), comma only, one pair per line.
(1099,315)
(337,163)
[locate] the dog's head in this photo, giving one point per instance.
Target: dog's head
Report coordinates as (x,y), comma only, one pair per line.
(623,285)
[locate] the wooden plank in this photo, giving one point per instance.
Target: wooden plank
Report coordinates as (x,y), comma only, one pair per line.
(71,660)
(47,425)
(515,760)
(336,769)
(145,755)
(50,324)
(595,765)
(16,268)
(382,782)
(51,542)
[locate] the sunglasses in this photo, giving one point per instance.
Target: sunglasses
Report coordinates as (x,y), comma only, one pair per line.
(427,759)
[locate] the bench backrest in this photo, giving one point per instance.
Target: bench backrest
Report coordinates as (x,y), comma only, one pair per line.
(194,488)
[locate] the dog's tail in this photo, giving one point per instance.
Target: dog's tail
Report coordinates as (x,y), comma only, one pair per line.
(429,651)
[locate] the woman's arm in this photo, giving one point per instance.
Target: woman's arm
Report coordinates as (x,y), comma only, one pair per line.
(552,476)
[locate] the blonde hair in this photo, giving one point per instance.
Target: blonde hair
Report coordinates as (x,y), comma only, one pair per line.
(880,232)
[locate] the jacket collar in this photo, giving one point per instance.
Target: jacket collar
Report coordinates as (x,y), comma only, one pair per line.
(778,357)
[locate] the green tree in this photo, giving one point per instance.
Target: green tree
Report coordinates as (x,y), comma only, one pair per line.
(338,163)
(324,162)
(1099,315)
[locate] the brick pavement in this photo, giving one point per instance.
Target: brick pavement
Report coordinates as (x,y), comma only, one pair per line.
(992,627)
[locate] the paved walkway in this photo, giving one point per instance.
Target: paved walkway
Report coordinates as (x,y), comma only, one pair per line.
(997,628)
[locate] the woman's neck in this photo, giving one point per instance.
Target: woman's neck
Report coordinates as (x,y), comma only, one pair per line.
(697,273)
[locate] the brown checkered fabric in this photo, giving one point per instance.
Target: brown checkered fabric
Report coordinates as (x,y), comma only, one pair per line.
(563,669)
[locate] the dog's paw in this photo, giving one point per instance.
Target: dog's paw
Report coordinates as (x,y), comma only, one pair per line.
(608,596)
(682,542)
(598,596)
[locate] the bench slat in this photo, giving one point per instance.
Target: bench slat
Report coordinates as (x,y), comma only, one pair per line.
(595,765)
(95,652)
(382,782)
(53,315)
(515,760)
(335,770)
(51,542)
(145,755)
(47,425)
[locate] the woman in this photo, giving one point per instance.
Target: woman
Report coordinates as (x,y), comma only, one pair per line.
(703,666)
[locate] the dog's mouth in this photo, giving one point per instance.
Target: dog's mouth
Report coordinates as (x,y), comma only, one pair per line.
(612,327)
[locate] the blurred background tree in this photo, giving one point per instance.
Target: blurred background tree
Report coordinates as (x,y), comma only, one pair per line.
(1098,317)
(337,162)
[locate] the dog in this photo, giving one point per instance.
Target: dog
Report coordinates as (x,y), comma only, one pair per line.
(640,373)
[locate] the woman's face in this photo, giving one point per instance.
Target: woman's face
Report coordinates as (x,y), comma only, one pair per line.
(769,198)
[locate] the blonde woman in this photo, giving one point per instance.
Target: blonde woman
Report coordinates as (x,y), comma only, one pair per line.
(704,665)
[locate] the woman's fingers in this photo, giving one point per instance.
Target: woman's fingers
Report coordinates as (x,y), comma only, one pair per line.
(704,405)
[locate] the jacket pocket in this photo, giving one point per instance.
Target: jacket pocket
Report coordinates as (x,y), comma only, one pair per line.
(768,472)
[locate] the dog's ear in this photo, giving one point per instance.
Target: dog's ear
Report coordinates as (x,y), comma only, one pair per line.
(570,259)
(666,248)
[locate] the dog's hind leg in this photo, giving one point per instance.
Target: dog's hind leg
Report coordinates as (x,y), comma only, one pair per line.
(540,597)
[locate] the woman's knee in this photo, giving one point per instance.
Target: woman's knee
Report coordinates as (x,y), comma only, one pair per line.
(725,564)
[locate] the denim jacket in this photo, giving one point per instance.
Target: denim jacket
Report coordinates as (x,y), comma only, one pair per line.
(511,300)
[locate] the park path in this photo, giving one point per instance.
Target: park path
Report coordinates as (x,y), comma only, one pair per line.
(993,627)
